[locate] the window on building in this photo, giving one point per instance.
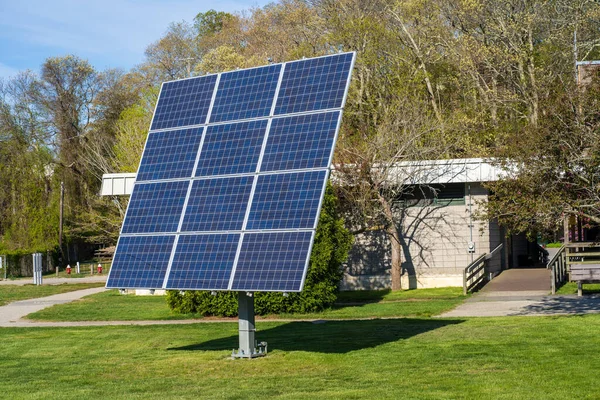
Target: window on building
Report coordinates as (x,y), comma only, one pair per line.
(450,194)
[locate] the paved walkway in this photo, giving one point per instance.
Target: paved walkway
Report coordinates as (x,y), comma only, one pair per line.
(12,313)
(523,292)
(498,298)
(49,280)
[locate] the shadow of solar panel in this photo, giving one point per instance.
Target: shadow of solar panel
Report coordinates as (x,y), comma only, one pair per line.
(184,102)
(272,261)
(314,84)
(140,262)
(155,207)
(217,204)
(245,94)
(203,262)
(231,148)
(303,141)
(287,201)
(170,154)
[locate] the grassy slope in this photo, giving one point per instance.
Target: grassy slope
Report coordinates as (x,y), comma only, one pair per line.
(113,306)
(486,358)
(10,293)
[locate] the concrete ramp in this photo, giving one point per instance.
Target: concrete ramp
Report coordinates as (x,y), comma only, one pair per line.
(521,280)
(514,292)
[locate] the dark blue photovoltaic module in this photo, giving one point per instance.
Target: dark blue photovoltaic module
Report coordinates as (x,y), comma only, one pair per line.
(246,93)
(272,261)
(300,142)
(231,148)
(217,204)
(184,103)
(141,262)
(203,261)
(155,207)
(314,84)
(287,201)
(170,154)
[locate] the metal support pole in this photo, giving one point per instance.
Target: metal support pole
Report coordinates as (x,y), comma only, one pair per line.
(37,268)
(248,345)
(4,265)
(60,225)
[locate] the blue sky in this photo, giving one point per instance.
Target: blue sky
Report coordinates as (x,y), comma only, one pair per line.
(108,33)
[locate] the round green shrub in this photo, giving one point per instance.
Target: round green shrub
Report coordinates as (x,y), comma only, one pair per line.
(330,249)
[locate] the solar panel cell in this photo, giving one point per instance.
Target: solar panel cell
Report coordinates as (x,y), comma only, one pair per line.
(155,207)
(217,204)
(272,261)
(287,201)
(184,102)
(203,262)
(141,262)
(314,84)
(170,154)
(245,94)
(231,148)
(303,141)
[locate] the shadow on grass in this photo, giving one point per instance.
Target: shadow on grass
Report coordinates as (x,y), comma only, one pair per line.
(563,305)
(331,336)
(348,298)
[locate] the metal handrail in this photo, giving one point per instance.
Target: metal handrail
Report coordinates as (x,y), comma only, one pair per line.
(493,252)
(475,273)
(558,266)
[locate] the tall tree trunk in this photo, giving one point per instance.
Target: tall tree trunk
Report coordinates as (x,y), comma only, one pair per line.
(393,235)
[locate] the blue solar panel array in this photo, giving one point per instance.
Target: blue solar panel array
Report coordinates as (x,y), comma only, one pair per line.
(231,181)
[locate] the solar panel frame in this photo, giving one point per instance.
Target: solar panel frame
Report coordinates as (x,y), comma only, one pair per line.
(208,122)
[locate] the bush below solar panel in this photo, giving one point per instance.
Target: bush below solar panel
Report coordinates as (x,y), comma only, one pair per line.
(232,177)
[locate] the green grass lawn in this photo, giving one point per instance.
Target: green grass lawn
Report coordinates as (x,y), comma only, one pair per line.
(571,288)
(10,293)
(111,305)
(406,358)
